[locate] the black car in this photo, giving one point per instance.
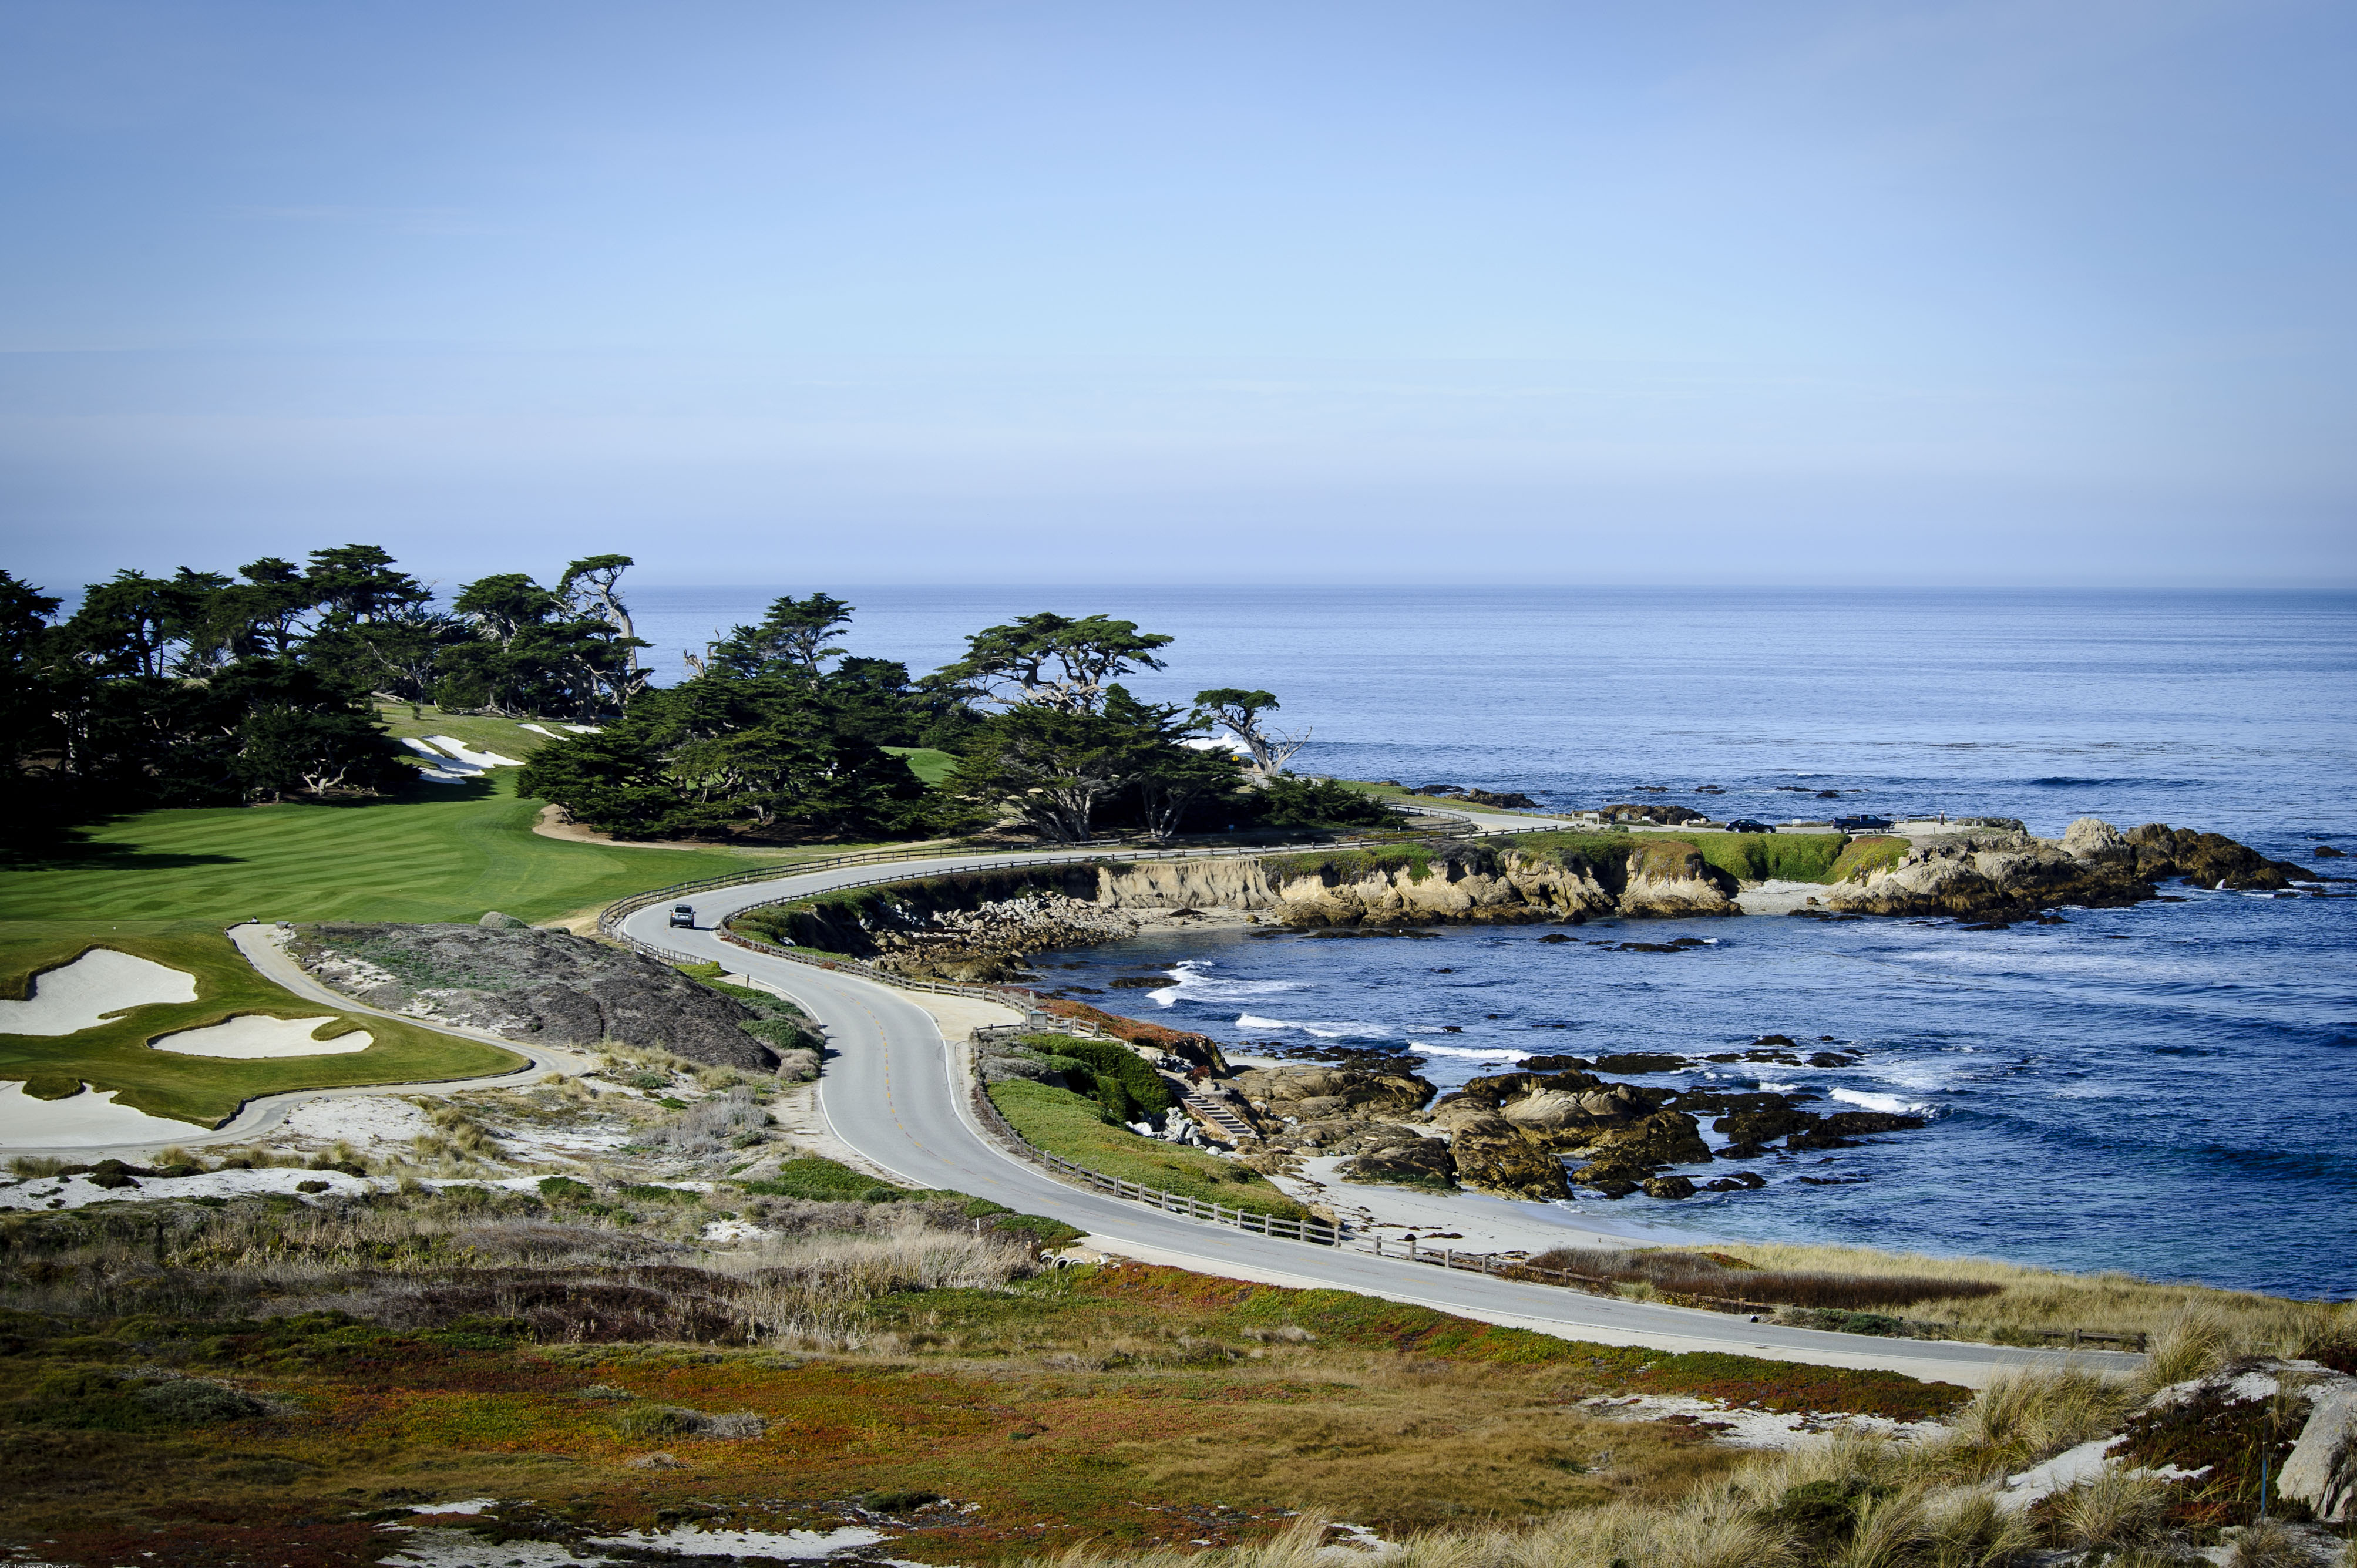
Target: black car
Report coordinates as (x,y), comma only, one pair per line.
(1746,825)
(1861,824)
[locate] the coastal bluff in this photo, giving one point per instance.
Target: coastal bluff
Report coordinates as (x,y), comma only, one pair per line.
(978,925)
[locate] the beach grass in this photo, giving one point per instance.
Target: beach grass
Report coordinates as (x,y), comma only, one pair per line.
(1068,1124)
(2033,1301)
(116,1055)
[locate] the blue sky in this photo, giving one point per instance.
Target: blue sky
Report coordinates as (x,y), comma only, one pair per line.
(1963,293)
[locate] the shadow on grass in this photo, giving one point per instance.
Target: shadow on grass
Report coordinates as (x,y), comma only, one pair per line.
(73,851)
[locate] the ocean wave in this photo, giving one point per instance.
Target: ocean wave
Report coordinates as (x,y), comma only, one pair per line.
(1466,1051)
(1328,1031)
(1889,1102)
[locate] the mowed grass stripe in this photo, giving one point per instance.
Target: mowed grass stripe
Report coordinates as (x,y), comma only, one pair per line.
(449,856)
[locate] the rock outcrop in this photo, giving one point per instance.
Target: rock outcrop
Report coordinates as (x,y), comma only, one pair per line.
(1993,874)
(1403,1156)
(1494,1154)
(1463,884)
(1669,877)
(1661,815)
(553,988)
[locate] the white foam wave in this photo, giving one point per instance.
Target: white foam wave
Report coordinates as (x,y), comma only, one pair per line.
(1330,1031)
(1889,1102)
(1466,1051)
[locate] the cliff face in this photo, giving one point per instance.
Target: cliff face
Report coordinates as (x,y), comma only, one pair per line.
(1237,884)
(1467,888)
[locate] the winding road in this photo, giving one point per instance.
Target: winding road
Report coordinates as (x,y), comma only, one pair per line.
(896,1091)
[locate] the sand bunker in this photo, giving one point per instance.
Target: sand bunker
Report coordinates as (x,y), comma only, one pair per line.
(442,770)
(459,749)
(83,1121)
(76,997)
(252,1036)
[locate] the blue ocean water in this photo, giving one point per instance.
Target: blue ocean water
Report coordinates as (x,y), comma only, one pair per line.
(2181,1103)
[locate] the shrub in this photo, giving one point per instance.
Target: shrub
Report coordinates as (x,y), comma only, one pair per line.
(677,1421)
(821,1180)
(192,1401)
(707,1127)
(1125,1085)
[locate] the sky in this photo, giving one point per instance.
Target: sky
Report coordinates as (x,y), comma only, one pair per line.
(1981,293)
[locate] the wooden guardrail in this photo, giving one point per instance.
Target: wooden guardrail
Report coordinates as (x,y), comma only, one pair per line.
(1316,1232)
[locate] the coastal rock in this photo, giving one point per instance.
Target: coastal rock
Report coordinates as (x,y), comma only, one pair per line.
(1981,874)
(2094,840)
(1658,813)
(1457,884)
(1663,1138)
(1670,1187)
(2005,873)
(1495,1155)
(2321,1470)
(1510,801)
(1765,1125)
(1670,877)
(1327,1093)
(2326,851)
(548,987)
(2208,860)
(1413,1161)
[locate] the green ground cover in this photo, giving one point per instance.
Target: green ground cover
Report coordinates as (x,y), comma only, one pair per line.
(1065,1123)
(1867,854)
(1350,864)
(116,1055)
(447,855)
(1754,857)
(926,763)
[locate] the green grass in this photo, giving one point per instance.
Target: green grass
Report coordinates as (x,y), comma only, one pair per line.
(1064,1123)
(926,763)
(1780,857)
(1753,857)
(116,1055)
(1867,854)
(450,854)
(1350,864)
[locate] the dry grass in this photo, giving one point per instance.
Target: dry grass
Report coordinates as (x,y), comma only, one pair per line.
(2267,1544)
(1877,1503)
(2042,1299)
(2114,1509)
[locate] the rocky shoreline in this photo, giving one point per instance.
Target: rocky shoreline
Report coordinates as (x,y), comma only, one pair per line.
(1552,1128)
(981,926)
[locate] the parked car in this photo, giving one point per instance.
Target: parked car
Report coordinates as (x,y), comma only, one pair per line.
(1746,825)
(683,915)
(1861,824)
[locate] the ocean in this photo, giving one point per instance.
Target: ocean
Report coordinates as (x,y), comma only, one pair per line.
(2181,1103)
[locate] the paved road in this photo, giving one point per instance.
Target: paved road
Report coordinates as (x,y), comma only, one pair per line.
(894,1090)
